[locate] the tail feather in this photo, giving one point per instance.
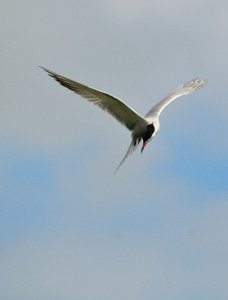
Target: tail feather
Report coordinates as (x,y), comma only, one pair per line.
(130,150)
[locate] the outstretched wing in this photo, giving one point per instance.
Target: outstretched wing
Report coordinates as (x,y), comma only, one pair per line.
(119,110)
(185,89)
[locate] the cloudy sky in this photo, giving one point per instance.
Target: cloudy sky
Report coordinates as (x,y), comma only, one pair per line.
(69,229)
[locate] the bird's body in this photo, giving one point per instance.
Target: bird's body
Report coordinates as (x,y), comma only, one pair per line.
(142,128)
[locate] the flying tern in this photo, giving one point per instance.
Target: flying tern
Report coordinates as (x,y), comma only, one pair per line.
(142,128)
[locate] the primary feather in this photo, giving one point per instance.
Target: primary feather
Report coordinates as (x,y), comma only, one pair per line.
(183,90)
(119,110)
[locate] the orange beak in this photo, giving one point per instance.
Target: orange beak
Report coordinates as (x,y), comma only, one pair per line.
(143,146)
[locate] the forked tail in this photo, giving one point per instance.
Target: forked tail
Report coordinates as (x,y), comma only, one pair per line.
(130,150)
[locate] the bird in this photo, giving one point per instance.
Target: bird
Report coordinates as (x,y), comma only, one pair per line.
(142,128)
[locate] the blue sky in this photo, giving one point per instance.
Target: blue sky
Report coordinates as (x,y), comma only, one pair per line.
(69,229)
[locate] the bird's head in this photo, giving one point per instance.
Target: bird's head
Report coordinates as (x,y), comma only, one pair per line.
(150,129)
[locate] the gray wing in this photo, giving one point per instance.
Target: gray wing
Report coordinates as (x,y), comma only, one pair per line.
(185,89)
(109,103)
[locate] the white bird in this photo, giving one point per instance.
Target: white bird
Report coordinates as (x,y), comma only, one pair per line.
(142,128)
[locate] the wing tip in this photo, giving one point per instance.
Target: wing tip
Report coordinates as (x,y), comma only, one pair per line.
(43,68)
(194,84)
(50,73)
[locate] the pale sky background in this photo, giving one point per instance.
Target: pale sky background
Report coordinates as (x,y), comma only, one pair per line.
(69,229)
